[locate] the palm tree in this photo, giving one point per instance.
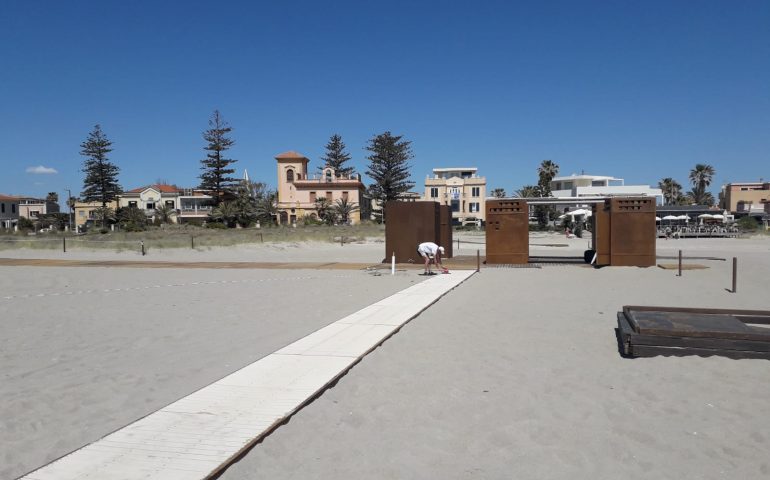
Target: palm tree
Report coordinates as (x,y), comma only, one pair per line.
(498,193)
(226,212)
(672,190)
(165,213)
(701,177)
(324,208)
(344,209)
(265,208)
(528,191)
(545,172)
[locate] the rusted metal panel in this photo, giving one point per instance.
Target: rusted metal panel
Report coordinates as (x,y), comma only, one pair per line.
(445,212)
(507,231)
(408,224)
(632,231)
(600,236)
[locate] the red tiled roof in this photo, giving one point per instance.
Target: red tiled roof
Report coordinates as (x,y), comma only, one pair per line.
(291,154)
(158,187)
(8,198)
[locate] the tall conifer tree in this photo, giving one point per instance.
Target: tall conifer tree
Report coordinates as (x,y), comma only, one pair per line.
(216,167)
(101,181)
(389,167)
(336,157)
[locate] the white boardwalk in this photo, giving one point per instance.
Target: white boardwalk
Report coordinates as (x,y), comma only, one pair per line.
(197,435)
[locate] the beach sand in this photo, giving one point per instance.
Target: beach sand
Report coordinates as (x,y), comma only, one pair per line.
(514,374)
(78,362)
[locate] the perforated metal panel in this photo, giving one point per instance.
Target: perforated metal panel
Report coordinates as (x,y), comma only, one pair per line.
(507,232)
(632,232)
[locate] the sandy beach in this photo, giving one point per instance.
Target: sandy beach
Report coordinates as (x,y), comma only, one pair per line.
(514,374)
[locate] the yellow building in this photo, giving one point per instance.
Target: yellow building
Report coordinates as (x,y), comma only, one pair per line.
(298,190)
(746,197)
(84,212)
(460,188)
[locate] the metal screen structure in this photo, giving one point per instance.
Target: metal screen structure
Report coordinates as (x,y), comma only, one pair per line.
(445,212)
(408,224)
(507,232)
(624,232)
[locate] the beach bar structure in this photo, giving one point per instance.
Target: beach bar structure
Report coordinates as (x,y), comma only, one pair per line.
(507,232)
(408,224)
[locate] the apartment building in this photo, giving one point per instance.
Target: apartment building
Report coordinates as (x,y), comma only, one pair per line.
(32,208)
(298,189)
(9,211)
(746,197)
(460,188)
(84,212)
(194,206)
(600,186)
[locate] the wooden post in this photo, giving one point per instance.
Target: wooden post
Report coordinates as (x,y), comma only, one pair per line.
(262,240)
(192,242)
(342,240)
(142,243)
(458,244)
(478,261)
(64,244)
(735,274)
(680,263)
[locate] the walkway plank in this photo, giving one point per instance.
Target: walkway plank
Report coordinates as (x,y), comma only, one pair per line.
(199,435)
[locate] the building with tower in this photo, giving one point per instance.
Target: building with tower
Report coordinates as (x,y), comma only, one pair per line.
(299,191)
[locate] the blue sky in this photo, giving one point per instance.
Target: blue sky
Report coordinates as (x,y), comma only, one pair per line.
(638,90)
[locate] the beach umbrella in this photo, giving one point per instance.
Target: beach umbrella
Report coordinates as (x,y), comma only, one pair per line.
(657,219)
(683,217)
(579,211)
(705,215)
(670,217)
(718,217)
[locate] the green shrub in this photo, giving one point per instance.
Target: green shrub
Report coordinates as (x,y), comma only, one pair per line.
(216,225)
(748,223)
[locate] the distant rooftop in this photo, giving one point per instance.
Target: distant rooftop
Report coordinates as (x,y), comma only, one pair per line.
(291,154)
(456,169)
(159,187)
(584,176)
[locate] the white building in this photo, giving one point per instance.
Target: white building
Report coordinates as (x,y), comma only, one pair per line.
(460,188)
(575,186)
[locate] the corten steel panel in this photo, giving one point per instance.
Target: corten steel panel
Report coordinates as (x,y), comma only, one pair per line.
(407,225)
(507,232)
(600,235)
(632,232)
(445,213)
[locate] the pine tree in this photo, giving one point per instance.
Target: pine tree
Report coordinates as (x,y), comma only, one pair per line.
(336,156)
(388,167)
(216,174)
(101,182)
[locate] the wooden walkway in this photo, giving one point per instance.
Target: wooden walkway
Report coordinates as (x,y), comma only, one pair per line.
(198,436)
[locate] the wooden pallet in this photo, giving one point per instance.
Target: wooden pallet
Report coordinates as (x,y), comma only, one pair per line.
(652,331)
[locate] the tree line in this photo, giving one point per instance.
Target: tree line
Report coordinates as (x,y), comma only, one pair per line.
(238,202)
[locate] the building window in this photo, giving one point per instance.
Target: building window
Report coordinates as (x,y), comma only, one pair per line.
(2,208)
(345,196)
(13,208)
(150,206)
(34,213)
(434,192)
(328,175)
(170,203)
(289,175)
(312,197)
(597,183)
(299,176)
(474,207)
(132,205)
(475,191)
(329,196)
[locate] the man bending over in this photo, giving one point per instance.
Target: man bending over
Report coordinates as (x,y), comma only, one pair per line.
(430,251)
